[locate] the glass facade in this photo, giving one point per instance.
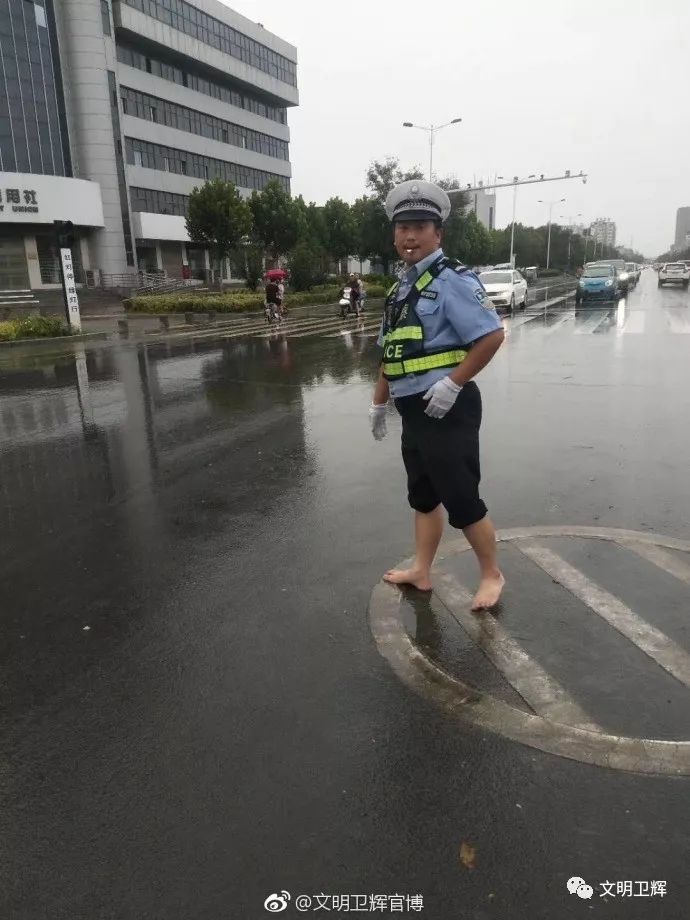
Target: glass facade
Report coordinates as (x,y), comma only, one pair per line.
(167,159)
(31,102)
(154,202)
(162,112)
(126,54)
(194,22)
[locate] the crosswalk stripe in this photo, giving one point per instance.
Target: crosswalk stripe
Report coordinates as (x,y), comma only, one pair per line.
(658,646)
(357,330)
(264,330)
(591,323)
(633,323)
(662,558)
(541,691)
(677,320)
(325,327)
(516,321)
(562,320)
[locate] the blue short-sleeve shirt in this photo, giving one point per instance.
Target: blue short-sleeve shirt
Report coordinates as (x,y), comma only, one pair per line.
(460,314)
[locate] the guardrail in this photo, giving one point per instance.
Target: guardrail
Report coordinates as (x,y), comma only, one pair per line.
(16,298)
(541,295)
(146,283)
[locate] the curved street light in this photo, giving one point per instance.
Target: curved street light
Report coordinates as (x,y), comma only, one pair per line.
(550,204)
(431,129)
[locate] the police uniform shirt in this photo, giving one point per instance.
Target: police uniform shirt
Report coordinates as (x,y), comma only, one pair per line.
(460,313)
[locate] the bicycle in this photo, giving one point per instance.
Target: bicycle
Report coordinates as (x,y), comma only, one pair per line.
(272,313)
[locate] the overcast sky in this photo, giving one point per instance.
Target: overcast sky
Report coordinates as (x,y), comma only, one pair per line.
(601,86)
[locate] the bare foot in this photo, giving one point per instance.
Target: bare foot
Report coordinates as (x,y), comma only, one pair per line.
(489,592)
(408,577)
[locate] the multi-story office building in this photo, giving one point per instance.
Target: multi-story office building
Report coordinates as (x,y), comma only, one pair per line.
(112,111)
(682,239)
(603,231)
(483,204)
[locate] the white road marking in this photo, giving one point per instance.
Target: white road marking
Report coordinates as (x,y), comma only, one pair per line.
(591,323)
(562,320)
(541,691)
(633,324)
(661,558)
(356,330)
(678,320)
(646,637)
(461,701)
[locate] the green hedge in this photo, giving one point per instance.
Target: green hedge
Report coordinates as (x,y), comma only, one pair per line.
(231,302)
(32,327)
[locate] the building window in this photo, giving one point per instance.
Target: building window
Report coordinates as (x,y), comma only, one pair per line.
(153,109)
(105,17)
(133,58)
(182,162)
(40,16)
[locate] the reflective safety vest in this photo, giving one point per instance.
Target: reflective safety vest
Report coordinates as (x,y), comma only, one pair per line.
(403,333)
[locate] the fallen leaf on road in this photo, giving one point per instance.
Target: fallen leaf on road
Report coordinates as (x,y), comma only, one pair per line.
(467,855)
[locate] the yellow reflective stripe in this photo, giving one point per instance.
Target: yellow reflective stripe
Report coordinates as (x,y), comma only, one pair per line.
(422,282)
(427,363)
(392,288)
(410,333)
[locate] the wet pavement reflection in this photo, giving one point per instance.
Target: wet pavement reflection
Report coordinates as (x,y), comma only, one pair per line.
(191,529)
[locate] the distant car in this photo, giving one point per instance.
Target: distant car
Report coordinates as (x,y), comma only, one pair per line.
(633,270)
(505,288)
(623,276)
(598,282)
(674,273)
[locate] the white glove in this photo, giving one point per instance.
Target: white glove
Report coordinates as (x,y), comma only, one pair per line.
(441,396)
(377,418)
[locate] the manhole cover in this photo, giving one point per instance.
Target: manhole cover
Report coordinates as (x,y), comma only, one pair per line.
(556,723)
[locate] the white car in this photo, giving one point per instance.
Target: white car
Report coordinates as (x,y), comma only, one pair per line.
(674,273)
(506,288)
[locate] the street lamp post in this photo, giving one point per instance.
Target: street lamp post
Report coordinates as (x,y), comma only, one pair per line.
(516,179)
(570,218)
(431,129)
(548,244)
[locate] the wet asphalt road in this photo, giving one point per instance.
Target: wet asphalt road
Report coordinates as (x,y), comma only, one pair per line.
(196,714)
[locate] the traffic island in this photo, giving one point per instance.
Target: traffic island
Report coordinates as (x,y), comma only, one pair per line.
(532,693)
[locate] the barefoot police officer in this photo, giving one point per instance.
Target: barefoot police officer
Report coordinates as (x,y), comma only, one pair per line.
(439,330)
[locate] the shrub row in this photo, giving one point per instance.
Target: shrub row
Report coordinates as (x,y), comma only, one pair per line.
(230,302)
(32,327)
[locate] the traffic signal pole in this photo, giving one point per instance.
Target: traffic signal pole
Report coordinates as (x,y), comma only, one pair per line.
(65,237)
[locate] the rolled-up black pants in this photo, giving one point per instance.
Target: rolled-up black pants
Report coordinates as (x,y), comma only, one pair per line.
(441,456)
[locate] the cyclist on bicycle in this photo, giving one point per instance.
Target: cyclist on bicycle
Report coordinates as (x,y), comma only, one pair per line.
(272,295)
(355,293)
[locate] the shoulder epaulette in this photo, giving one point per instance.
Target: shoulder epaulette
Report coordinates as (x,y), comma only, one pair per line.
(457,266)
